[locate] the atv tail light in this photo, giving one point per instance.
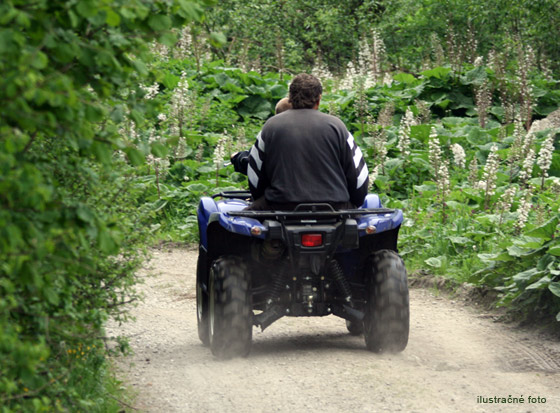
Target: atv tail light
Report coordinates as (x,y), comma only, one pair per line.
(370,229)
(312,240)
(256,231)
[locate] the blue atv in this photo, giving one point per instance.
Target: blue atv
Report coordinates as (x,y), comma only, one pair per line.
(255,267)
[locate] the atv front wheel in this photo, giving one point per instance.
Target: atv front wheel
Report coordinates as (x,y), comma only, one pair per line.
(230,308)
(386,321)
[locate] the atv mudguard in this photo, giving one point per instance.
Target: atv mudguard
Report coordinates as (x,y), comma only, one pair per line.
(211,212)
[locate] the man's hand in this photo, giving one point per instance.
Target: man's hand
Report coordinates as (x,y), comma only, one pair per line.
(240,161)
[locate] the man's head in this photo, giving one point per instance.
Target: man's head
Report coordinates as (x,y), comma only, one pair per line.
(283,105)
(305,91)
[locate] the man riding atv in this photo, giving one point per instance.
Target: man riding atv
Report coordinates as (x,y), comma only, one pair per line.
(302,155)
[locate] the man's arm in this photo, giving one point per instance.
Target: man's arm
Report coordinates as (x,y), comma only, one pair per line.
(356,172)
(258,181)
(240,162)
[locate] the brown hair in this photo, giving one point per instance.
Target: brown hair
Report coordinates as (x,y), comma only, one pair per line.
(283,105)
(305,91)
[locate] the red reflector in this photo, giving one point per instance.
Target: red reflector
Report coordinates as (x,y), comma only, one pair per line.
(311,240)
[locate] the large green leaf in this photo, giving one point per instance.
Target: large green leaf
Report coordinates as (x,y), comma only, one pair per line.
(191,9)
(555,289)
(221,79)
(476,76)
(554,250)
(405,78)
(516,251)
(278,91)
(232,86)
(460,101)
(159,22)
(135,156)
(394,164)
(420,132)
(197,187)
(107,241)
(112,18)
(527,276)
(526,241)
(477,136)
(460,240)
(159,149)
(502,257)
(545,231)
(159,205)
(435,262)
(540,284)
(438,72)
(255,106)
(168,39)
(170,81)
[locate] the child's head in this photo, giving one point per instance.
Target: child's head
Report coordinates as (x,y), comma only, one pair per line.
(283,105)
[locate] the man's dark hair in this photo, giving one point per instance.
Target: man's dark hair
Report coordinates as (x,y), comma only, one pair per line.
(305,91)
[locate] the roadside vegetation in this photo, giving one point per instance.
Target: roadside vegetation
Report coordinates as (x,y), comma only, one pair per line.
(480,193)
(116,117)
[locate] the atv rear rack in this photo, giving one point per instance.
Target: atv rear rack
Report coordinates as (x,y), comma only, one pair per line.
(345,213)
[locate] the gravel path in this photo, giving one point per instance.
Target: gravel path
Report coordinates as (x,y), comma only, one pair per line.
(456,361)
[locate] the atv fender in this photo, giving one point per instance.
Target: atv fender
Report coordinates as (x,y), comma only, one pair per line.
(206,207)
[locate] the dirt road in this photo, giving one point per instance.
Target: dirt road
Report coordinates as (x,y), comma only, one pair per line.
(457,360)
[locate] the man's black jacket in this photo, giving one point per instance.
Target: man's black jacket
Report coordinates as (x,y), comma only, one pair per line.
(303,155)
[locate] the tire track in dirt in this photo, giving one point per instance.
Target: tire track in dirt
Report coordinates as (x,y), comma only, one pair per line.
(521,357)
(454,357)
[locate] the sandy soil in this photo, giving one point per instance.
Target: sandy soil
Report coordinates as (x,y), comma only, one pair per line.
(457,357)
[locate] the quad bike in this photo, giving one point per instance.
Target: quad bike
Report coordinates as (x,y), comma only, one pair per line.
(255,267)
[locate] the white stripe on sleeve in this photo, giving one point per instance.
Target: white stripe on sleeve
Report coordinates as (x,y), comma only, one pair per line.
(362,177)
(260,142)
(253,177)
(357,157)
(256,157)
(350,140)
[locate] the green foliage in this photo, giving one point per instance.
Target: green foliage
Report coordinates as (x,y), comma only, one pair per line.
(296,36)
(69,220)
(527,269)
(283,34)
(466,233)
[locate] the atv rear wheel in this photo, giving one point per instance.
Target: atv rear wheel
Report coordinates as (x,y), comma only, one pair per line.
(230,308)
(386,321)
(202,302)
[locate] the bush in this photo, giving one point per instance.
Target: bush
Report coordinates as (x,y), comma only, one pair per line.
(71,235)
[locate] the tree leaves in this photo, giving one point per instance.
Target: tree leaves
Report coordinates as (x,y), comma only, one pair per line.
(191,9)
(67,200)
(159,22)
(112,17)
(39,60)
(135,156)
